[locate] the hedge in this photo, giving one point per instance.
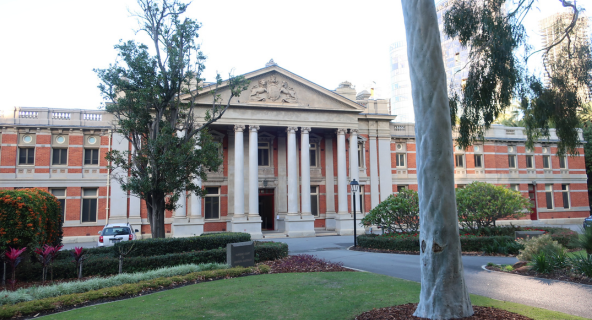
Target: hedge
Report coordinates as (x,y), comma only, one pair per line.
(157,247)
(57,303)
(468,244)
(29,218)
(101,265)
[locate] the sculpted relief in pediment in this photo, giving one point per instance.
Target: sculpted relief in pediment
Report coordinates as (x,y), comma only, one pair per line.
(272,91)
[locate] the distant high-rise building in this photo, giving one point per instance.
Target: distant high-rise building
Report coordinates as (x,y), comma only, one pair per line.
(551,30)
(455,59)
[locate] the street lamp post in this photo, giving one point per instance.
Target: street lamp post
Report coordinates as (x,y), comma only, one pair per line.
(354,188)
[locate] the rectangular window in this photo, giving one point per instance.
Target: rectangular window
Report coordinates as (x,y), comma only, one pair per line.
(89,205)
(360,155)
(60,194)
(459,160)
(314,200)
(399,188)
(563,162)
(361,199)
(460,186)
(400,159)
(530,162)
(263,154)
(478,161)
(27,156)
(512,161)
(546,162)
(212,203)
(60,157)
(313,154)
(91,156)
(565,193)
(549,195)
(515,187)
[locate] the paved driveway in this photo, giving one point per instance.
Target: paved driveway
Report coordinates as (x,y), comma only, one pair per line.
(569,298)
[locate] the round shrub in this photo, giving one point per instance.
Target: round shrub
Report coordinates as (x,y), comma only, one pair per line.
(534,246)
(396,213)
(29,218)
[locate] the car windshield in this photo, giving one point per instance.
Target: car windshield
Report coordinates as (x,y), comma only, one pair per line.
(115,231)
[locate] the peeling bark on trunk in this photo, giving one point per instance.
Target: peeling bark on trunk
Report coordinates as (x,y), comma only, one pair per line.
(443,291)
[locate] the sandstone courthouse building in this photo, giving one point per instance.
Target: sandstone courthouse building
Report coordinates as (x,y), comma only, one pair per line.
(290,149)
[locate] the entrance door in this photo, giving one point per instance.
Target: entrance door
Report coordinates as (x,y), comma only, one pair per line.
(532,196)
(266,209)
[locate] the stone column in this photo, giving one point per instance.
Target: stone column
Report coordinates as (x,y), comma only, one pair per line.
(292,172)
(194,200)
(354,172)
(239,178)
(373,170)
(386,171)
(305,170)
(181,210)
(253,171)
(341,173)
(329,183)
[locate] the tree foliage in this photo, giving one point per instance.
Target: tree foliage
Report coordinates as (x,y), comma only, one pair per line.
(481,204)
(498,75)
(171,146)
(398,213)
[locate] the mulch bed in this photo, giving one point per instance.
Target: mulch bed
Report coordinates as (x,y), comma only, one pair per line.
(405,312)
(303,263)
(561,275)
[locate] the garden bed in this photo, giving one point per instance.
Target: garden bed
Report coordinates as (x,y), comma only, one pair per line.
(560,275)
(405,312)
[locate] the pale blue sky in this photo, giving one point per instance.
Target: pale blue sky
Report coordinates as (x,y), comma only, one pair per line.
(50,47)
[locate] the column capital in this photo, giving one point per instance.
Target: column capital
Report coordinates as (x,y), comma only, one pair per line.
(305,129)
(253,128)
(354,131)
(291,129)
(341,131)
(239,127)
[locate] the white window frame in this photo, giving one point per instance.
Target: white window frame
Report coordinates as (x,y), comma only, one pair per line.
(549,193)
(532,163)
(266,147)
(512,158)
(82,207)
(316,193)
(18,159)
(480,156)
(401,157)
(462,157)
(548,158)
(64,197)
(565,196)
(314,153)
(213,195)
(564,158)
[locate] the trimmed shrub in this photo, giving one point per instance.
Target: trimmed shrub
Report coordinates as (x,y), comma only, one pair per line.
(102,265)
(542,262)
(481,204)
(534,246)
(155,247)
(411,243)
(29,218)
(398,212)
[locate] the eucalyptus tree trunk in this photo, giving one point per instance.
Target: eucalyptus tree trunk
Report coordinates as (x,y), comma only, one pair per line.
(157,214)
(443,291)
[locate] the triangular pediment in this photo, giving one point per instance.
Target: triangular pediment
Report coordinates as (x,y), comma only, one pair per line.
(275,87)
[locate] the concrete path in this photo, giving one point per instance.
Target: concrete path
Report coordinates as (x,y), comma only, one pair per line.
(575,299)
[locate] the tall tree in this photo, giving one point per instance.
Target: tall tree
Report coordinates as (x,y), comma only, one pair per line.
(444,293)
(171,147)
(498,75)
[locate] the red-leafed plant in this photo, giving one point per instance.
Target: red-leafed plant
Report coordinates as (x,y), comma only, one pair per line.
(79,256)
(13,257)
(46,255)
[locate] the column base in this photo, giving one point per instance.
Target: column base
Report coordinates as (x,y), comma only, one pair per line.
(250,224)
(344,224)
(181,227)
(330,221)
(299,226)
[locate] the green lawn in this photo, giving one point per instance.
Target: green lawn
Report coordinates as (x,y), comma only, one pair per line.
(329,295)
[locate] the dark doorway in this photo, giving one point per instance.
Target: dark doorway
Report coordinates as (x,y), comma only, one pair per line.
(266,210)
(533,202)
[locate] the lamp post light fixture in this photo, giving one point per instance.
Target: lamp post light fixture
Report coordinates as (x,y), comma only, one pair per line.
(354,185)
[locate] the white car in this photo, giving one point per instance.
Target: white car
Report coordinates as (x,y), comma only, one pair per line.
(113,233)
